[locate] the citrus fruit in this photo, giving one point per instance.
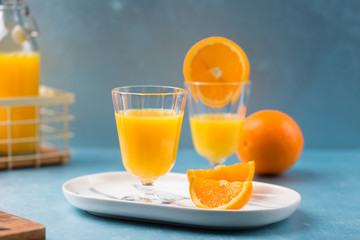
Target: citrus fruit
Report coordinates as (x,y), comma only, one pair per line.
(211,63)
(216,59)
(272,139)
(225,187)
(238,172)
(219,194)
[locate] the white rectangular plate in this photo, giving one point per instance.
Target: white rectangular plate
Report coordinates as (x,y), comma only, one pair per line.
(101,194)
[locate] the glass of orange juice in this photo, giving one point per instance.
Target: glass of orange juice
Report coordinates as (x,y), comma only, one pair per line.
(217,111)
(148,120)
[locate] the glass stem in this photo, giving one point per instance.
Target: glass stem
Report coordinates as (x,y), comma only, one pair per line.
(148,190)
(214,164)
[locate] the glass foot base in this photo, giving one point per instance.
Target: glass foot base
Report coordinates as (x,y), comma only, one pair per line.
(157,199)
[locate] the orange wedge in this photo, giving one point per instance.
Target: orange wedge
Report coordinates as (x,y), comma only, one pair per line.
(219,194)
(215,61)
(239,172)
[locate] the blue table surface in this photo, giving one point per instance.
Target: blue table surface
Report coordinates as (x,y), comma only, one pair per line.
(328,181)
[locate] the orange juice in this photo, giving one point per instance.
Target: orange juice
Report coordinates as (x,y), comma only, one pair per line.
(19,77)
(215,136)
(148,141)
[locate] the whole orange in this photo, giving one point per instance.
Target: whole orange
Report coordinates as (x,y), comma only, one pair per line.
(272,139)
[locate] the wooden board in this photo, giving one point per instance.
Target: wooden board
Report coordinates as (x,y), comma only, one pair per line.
(20,228)
(59,158)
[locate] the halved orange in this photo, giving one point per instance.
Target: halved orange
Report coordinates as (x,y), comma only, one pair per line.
(216,60)
(219,194)
(239,172)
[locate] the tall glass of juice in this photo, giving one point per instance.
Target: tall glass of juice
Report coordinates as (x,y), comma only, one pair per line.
(217,111)
(148,120)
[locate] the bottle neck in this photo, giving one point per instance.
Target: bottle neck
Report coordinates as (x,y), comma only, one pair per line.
(17,27)
(11,4)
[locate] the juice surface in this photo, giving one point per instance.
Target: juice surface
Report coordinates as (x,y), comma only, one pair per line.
(148,141)
(215,136)
(19,77)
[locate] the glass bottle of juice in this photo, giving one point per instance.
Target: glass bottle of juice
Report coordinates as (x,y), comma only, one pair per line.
(19,77)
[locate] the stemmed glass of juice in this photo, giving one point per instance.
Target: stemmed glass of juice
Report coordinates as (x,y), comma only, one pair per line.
(148,120)
(217,111)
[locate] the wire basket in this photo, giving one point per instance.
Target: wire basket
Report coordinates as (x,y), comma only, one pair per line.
(34,131)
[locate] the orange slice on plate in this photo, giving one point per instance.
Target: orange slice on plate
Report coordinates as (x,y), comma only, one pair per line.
(216,60)
(239,172)
(219,194)
(225,187)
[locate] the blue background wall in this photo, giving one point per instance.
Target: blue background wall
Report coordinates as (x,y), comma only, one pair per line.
(304,56)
